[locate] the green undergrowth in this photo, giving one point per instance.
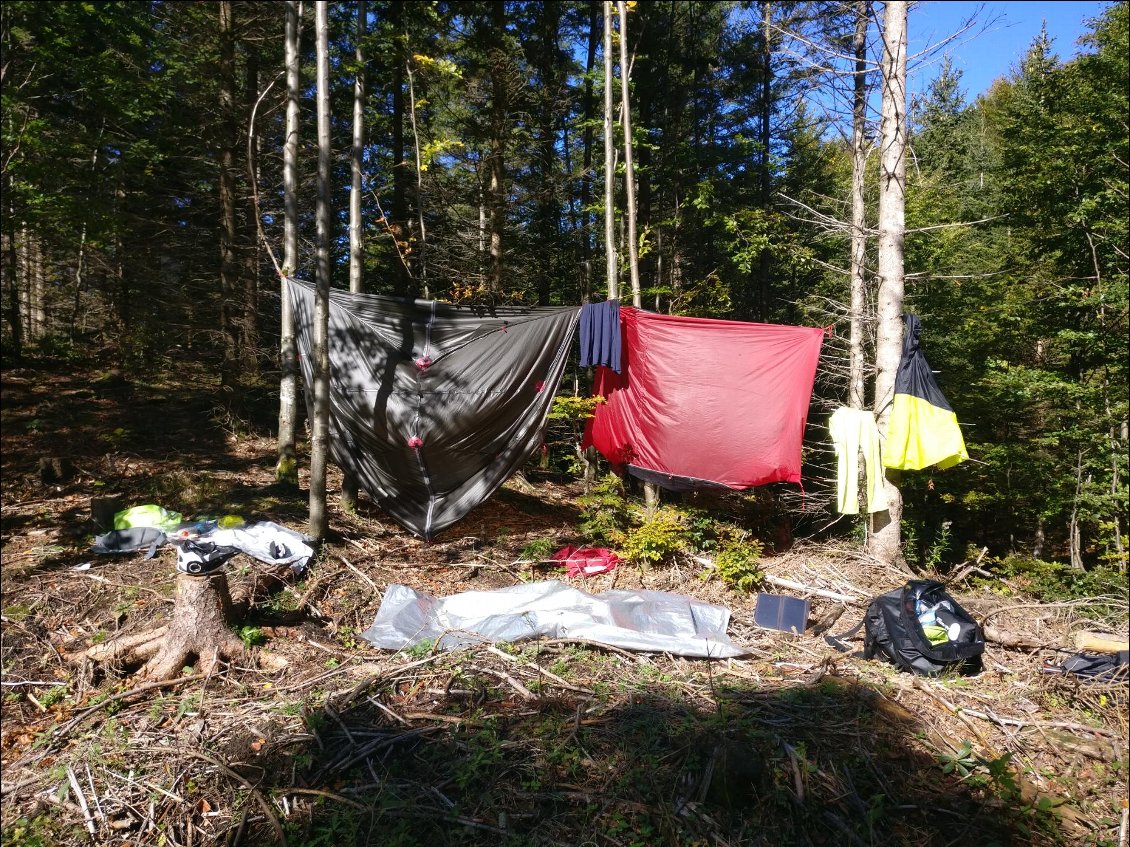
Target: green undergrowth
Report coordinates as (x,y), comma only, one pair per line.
(609,516)
(1051,581)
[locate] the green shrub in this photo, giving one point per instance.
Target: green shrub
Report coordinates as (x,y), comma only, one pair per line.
(657,539)
(1053,581)
(538,550)
(738,562)
(605,513)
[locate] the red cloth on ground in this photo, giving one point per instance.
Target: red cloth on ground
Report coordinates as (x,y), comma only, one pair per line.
(702,399)
(586,561)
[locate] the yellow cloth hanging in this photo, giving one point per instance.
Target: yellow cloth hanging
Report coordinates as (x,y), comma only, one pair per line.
(854,431)
(920,434)
(922,428)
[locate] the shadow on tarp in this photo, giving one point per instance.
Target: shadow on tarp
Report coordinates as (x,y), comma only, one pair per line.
(453,755)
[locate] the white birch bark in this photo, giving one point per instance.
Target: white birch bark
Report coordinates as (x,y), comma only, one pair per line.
(286,469)
(885,541)
(609,161)
(320,440)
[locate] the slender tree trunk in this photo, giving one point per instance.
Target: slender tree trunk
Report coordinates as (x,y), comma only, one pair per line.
(650,489)
(37,312)
(609,162)
(249,324)
(80,260)
(23,292)
(229,263)
(356,159)
(12,255)
(421,253)
(286,469)
(856,395)
(629,166)
(399,223)
(349,484)
(1074,535)
(885,542)
(765,122)
(586,169)
(549,209)
(320,440)
(499,107)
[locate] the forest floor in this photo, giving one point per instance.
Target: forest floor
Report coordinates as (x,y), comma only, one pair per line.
(555,743)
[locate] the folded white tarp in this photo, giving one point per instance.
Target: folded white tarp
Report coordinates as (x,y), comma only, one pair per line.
(649,621)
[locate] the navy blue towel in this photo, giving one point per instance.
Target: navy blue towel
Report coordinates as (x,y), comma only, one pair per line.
(600,334)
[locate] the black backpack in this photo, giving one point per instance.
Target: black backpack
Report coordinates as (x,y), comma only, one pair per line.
(893,632)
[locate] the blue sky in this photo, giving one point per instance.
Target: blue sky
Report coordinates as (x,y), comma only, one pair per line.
(998,40)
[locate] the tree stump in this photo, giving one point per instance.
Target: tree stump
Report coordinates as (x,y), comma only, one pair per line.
(200,631)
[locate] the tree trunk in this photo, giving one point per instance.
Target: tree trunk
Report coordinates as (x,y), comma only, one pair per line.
(885,542)
(1074,536)
(629,166)
(12,312)
(498,109)
(549,208)
(609,162)
(399,223)
(650,489)
(421,256)
(586,168)
(200,630)
(286,469)
(249,323)
(320,438)
(765,121)
(37,312)
(349,484)
(856,395)
(229,265)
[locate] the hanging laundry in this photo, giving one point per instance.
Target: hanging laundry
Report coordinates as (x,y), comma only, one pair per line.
(702,402)
(433,406)
(854,431)
(600,334)
(922,428)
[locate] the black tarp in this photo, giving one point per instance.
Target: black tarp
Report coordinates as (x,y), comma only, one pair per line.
(433,406)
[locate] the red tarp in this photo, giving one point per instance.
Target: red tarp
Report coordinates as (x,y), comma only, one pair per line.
(706,400)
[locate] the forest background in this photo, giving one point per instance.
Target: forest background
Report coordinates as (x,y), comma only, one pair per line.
(138,138)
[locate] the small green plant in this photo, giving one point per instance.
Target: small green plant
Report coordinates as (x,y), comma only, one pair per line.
(962,763)
(738,562)
(188,704)
(53,695)
(157,710)
(657,539)
(604,511)
(17,611)
(251,636)
(935,553)
(419,651)
(538,550)
(566,407)
(347,635)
